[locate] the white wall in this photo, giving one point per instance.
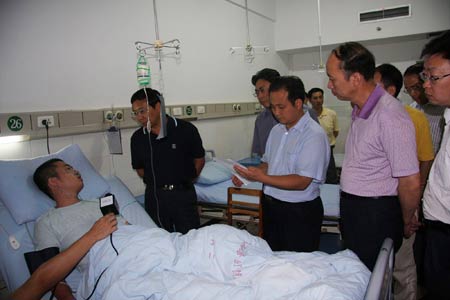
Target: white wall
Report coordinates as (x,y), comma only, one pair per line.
(80,55)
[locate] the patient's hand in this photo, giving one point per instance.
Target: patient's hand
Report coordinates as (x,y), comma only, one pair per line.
(63,292)
(103,227)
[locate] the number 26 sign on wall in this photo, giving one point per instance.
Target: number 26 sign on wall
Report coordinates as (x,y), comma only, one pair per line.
(15,123)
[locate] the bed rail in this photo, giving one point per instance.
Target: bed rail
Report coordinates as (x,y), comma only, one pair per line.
(380,284)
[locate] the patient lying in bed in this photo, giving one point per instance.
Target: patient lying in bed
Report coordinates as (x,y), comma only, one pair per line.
(215,262)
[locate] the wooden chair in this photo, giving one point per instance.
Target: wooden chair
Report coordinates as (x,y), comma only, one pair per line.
(236,207)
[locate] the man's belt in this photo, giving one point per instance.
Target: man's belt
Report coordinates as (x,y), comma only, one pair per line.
(175,187)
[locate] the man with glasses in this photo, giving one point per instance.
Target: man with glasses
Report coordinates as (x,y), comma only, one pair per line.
(265,120)
(413,87)
(168,164)
(436,198)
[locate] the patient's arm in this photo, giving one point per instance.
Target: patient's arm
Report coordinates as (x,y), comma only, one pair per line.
(53,271)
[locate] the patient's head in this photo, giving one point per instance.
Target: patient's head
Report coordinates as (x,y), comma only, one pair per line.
(55,177)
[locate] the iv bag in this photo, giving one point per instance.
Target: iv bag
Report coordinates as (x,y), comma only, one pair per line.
(143,71)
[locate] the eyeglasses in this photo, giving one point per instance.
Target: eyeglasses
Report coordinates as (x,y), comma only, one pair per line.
(432,78)
(259,91)
(415,88)
(141,111)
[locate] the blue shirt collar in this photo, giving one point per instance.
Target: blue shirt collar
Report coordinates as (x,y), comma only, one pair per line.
(301,124)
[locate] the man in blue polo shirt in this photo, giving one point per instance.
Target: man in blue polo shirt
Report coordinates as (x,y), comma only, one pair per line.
(293,167)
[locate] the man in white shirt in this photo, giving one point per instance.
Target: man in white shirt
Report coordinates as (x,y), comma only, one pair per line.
(293,168)
(436,198)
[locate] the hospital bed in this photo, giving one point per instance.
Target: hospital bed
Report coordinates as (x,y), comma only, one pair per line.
(21,203)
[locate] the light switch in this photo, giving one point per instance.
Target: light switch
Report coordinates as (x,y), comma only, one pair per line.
(177,111)
(201,109)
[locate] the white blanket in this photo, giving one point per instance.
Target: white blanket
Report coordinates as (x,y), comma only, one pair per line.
(215,262)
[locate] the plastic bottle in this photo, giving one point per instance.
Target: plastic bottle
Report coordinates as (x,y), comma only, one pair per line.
(143,71)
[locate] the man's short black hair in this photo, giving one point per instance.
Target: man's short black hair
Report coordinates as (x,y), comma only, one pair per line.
(355,58)
(415,69)
(438,45)
(292,84)
(267,74)
(390,76)
(314,90)
(152,96)
(43,173)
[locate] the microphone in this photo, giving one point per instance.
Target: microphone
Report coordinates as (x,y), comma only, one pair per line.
(108,204)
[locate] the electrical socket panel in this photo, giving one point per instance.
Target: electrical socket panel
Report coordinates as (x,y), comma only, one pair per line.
(49,119)
(201,109)
(177,111)
(108,115)
(118,115)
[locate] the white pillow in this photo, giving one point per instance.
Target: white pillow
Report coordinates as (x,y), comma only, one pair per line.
(23,198)
(213,172)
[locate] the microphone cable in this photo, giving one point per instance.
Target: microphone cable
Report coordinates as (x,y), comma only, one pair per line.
(101,274)
(151,161)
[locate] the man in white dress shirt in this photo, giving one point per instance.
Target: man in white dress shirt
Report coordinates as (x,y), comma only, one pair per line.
(436,198)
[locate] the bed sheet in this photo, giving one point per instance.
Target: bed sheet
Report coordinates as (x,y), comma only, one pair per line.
(12,264)
(217,194)
(216,262)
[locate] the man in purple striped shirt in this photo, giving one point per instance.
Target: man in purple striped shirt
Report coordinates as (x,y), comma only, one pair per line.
(380,183)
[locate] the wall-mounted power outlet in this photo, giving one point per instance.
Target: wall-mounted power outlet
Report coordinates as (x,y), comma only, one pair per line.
(45,120)
(108,115)
(118,115)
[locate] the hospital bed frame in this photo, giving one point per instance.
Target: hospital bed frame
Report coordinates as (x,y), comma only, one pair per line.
(380,284)
(236,207)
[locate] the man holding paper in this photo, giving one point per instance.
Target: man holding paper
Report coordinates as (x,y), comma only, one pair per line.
(292,169)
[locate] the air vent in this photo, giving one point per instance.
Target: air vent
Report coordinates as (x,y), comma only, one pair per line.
(385,14)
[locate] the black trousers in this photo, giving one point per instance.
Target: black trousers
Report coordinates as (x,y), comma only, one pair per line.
(174,210)
(437,260)
(332,176)
(292,226)
(367,221)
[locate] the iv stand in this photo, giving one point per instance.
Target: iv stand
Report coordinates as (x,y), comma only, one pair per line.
(144,47)
(249,49)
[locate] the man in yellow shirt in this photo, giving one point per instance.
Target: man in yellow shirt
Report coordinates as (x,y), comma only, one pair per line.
(328,121)
(405,276)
